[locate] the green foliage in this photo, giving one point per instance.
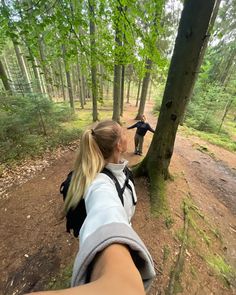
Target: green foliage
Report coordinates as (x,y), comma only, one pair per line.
(62,280)
(29,124)
(222,140)
(202,112)
(221,268)
(169,221)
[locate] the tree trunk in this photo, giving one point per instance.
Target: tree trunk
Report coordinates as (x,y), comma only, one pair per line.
(150,91)
(128,90)
(143,97)
(9,74)
(3,76)
(117,70)
(62,81)
(139,86)
(68,80)
(228,104)
(39,86)
(101,83)
(43,65)
(81,90)
(116,93)
(122,90)
(190,40)
(203,50)
(93,60)
(22,66)
(229,64)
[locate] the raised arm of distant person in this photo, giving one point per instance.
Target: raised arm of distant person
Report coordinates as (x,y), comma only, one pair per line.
(150,128)
(133,126)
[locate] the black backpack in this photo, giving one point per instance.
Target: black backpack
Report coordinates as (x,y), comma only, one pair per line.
(75,217)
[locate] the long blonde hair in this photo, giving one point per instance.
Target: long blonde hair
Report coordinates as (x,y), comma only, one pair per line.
(96,145)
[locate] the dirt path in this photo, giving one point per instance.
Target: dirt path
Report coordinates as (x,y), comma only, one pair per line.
(35,247)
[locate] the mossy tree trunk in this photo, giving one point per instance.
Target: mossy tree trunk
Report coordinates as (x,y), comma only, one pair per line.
(192,32)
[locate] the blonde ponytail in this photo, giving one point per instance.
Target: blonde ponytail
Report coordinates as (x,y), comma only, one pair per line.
(96,145)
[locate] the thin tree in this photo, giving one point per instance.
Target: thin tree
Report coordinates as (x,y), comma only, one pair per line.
(192,32)
(4,78)
(143,97)
(122,90)
(93,59)
(68,79)
(139,86)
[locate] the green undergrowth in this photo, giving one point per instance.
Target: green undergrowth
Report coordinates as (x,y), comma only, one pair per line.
(203,238)
(35,125)
(221,268)
(222,140)
(62,280)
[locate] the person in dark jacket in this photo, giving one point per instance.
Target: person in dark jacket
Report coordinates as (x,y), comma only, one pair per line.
(142,128)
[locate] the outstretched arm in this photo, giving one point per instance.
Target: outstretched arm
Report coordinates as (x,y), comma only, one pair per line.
(133,126)
(114,273)
(151,129)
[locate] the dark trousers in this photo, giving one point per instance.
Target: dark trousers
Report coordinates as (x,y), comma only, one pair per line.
(138,142)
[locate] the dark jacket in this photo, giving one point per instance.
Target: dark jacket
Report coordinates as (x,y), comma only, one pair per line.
(142,128)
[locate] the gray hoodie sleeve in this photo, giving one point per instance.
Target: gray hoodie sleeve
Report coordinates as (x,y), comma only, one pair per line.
(102,238)
(107,223)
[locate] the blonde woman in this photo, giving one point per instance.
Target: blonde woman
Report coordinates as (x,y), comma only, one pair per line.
(112,259)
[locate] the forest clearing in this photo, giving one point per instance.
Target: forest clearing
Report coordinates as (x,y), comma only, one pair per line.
(163,66)
(37,253)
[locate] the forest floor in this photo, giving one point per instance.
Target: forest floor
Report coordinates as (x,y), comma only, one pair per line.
(36,252)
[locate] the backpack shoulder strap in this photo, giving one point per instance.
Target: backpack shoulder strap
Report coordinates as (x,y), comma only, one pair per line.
(116,182)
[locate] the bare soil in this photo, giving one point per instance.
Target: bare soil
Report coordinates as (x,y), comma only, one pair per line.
(35,248)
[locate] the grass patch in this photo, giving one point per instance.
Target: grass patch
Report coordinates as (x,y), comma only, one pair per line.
(166,253)
(221,268)
(221,140)
(169,221)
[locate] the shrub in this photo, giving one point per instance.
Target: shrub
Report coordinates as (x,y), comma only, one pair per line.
(29,124)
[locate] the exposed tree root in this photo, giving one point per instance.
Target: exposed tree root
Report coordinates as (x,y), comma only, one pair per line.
(174,282)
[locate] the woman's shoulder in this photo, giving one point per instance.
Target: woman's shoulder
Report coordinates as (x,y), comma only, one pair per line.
(101,182)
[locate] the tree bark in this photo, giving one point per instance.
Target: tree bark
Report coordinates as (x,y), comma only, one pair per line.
(61,80)
(128,90)
(68,79)
(3,76)
(48,86)
(150,91)
(139,86)
(117,70)
(203,50)
(101,82)
(143,97)
(93,60)
(190,40)
(229,64)
(227,106)
(22,66)
(81,90)
(122,90)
